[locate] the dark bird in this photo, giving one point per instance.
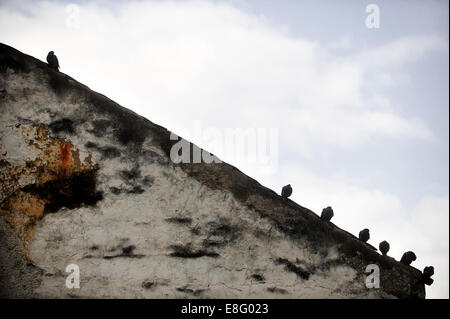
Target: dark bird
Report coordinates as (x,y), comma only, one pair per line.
(364,235)
(52,60)
(408,258)
(427,281)
(327,214)
(384,247)
(428,271)
(426,275)
(286,191)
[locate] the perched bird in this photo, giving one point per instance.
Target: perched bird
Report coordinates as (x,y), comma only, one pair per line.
(426,275)
(52,60)
(384,247)
(327,214)
(408,258)
(427,281)
(364,235)
(428,271)
(286,191)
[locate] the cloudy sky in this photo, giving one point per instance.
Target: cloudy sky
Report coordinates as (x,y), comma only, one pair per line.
(352,117)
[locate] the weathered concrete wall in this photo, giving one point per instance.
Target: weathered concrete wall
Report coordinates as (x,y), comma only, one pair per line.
(87,182)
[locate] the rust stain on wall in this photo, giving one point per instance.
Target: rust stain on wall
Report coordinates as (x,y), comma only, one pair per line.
(56,178)
(65,155)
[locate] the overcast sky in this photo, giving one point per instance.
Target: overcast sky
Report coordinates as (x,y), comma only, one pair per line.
(360,115)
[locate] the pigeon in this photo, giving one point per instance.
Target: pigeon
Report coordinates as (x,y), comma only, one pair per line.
(426,275)
(52,60)
(384,247)
(364,235)
(408,258)
(286,191)
(428,271)
(427,281)
(327,214)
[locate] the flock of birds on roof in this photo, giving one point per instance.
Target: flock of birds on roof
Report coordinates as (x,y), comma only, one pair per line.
(327,213)
(364,235)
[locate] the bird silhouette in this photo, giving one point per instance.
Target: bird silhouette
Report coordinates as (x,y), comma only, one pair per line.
(52,61)
(327,214)
(426,275)
(428,271)
(408,258)
(428,281)
(364,235)
(286,191)
(384,247)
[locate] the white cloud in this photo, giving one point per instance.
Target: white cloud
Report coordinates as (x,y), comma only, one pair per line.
(228,68)
(402,51)
(342,43)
